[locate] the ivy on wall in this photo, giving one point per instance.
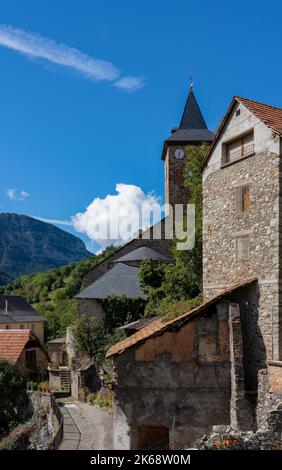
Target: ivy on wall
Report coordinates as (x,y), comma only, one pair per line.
(175,287)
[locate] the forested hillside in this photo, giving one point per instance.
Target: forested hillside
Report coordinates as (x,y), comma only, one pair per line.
(51,293)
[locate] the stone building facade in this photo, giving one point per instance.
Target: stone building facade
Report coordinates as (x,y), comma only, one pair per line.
(189,374)
(241,211)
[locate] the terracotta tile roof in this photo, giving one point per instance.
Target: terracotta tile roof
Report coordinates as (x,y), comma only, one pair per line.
(12,343)
(159,326)
(271,116)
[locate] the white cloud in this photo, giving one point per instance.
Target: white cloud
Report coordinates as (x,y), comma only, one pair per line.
(16,195)
(34,45)
(54,221)
(116,218)
(130,83)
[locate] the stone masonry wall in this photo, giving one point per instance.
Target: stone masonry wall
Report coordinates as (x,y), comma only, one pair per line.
(175,191)
(91,307)
(222,224)
(180,379)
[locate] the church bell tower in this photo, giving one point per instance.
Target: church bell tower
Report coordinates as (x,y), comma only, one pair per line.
(192,130)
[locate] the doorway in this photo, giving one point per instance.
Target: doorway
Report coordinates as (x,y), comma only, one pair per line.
(153,437)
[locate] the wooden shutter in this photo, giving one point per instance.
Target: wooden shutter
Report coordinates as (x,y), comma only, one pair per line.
(234,150)
(242,199)
(248,144)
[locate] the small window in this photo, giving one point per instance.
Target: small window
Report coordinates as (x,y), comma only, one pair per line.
(239,148)
(242,249)
(22,327)
(242,199)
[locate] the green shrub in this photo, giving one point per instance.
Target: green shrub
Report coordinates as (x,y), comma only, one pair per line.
(44,386)
(13,396)
(103,398)
(31,385)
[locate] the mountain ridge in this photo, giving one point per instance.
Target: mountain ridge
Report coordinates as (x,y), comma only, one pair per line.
(29,245)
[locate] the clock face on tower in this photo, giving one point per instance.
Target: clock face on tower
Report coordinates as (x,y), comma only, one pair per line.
(179,154)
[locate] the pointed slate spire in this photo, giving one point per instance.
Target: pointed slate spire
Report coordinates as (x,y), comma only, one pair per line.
(192,129)
(192,117)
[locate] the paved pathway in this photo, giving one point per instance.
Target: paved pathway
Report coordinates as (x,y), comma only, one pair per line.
(86,427)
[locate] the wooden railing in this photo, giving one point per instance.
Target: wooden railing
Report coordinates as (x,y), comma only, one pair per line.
(57,439)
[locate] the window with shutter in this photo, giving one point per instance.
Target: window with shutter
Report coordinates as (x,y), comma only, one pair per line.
(242,199)
(242,249)
(238,148)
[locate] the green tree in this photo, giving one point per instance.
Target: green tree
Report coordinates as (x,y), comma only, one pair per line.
(89,333)
(13,397)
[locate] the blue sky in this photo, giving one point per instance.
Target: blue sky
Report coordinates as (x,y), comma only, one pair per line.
(67,137)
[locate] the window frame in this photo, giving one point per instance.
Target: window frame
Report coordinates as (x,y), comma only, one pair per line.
(239,255)
(241,207)
(225,157)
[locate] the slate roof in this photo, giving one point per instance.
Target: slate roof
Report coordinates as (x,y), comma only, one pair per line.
(119,280)
(158,327)
(192,117)
(269,115)
(18,310)
(13,342)
(144,253)
(192,128)
(139,324)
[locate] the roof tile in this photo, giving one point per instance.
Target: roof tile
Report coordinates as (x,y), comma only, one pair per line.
(159,326)
(12,343)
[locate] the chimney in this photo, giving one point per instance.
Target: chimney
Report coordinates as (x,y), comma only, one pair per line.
(6,307)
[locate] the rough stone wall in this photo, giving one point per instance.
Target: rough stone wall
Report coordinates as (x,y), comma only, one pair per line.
(91,307)
(58,354)
(275,378)
(241,410)
(175,191)
(222,223)
(180,379)
(40,427)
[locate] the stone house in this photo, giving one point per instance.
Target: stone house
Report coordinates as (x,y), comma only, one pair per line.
(242,214)
(69,369)
(219,364)
(23,348)
(174,379)
(16,313)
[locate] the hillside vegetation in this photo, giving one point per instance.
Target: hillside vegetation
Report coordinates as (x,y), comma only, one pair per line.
(51,293)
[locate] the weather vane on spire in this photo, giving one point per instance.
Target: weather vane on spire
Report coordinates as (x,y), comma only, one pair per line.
(191,82)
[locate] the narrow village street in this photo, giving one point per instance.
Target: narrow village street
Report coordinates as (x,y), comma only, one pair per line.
(86,427)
